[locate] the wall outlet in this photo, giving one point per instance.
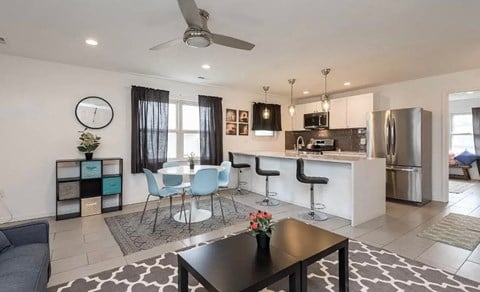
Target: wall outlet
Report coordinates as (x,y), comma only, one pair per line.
(363,141)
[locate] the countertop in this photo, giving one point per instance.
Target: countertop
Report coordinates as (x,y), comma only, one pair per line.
(328,156)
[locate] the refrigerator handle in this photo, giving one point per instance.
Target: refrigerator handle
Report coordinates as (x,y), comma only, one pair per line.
(393,145)
(387,137)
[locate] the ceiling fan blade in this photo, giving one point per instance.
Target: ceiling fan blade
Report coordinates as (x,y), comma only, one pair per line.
(231,42)
(168,44)
(190,13)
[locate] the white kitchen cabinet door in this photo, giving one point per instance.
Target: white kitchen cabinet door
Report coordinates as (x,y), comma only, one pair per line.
(357,108)
(338,113)
(313,107)
(297,121)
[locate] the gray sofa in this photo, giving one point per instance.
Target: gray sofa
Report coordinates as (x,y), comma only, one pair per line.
(24,257)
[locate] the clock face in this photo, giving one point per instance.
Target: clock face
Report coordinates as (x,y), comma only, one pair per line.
(94,112)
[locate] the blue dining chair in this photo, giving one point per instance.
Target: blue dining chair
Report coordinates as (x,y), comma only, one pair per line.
(176,182)
(224,179)
(155,191)
(205,183)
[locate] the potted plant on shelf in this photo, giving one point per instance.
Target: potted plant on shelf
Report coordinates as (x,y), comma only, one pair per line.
(261,226)
(191,160)
(88,143)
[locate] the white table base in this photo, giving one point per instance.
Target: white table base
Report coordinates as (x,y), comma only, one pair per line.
(198,215)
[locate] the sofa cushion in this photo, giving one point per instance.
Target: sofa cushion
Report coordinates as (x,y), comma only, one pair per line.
(466,158)
(4,242)
(25,268)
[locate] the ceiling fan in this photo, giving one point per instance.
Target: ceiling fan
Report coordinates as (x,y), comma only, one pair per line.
(197,34)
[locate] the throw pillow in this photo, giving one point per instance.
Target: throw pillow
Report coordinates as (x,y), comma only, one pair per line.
(4,242)
(466,157)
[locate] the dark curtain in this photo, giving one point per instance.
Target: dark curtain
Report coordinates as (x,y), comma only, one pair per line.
(149,128)
(476,132)
(274,123)
(211,130)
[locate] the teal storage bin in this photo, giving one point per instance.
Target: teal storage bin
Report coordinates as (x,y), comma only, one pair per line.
(112,185)
(91,169)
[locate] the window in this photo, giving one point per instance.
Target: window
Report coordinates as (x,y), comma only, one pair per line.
(461,133)
(183,130)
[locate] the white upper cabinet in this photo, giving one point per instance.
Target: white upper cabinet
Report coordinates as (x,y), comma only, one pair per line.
(313,107)
(297,121)
(350,112)
(338,113)
(357,108)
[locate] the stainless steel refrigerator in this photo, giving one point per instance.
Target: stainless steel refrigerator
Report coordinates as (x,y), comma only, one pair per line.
(404,138)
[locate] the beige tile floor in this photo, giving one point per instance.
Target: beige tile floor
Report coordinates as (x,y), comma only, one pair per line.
(84,246)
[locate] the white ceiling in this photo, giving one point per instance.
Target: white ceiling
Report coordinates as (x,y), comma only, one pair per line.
(366,42)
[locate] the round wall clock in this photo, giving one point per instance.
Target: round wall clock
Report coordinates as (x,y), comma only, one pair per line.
(94,112)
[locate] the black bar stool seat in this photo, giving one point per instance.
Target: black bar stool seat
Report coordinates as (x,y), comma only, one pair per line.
(238,166)
(267,173)
(313,214)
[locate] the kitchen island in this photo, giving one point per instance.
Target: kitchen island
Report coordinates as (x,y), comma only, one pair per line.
(355,191)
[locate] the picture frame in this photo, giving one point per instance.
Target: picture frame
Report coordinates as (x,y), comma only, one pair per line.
(243,116)
(231,129)
(231,115)
(243,129)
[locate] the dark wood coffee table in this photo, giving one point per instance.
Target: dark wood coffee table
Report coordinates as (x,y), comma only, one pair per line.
(235,264)
(309,244)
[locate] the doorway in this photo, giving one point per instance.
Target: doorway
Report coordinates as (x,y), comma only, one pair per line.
(463,168)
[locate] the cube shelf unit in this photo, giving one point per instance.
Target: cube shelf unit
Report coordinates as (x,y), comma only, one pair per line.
(88,187)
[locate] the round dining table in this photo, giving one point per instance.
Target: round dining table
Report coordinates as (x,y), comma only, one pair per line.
(198,215)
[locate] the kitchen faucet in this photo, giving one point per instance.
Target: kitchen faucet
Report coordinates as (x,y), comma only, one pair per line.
(300,142)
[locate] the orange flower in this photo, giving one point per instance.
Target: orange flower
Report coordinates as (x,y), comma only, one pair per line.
(254,225)
(252,216)
(268,215)
(259,215)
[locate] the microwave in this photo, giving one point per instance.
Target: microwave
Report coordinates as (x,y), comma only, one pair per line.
(315,120)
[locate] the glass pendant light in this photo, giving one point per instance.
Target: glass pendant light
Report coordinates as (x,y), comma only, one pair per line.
(325,100)
(266,112)
(291,107)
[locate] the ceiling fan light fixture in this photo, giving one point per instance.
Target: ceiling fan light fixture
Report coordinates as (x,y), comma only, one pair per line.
(197,42)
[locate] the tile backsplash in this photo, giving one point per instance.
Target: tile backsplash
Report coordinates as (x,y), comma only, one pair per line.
(345,139)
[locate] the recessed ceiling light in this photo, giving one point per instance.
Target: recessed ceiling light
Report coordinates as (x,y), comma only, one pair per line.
(206,66)
(469,92)
(347,83)
(306,92)
(91,42)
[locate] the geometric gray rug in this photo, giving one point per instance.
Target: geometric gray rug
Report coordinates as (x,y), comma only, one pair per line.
(455,229)
(133,236)
(371,269)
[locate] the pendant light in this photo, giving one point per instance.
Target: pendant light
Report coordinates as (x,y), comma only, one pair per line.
(325,101)
(266,112)
(291,107)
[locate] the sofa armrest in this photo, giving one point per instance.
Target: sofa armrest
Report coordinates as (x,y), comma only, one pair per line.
(32,232)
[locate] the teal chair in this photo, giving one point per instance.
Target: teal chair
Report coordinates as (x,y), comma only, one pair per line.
(224,179)
(205,183)
(154,190)
(174,181)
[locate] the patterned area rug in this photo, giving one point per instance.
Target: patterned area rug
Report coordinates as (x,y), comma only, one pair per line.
(133,236)
(371,269)
(458,187)
(455,229)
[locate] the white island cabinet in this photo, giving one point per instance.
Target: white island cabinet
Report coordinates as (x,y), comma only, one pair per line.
(355,190)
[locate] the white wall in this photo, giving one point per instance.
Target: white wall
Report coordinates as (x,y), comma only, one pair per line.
(431,93)
(38,126)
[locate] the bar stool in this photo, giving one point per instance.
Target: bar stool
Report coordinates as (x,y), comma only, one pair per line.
(239,166)
(312,180)
(267,173)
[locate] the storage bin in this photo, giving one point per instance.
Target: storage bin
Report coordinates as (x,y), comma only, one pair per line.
(112,185)
(91,206)
(68,190)
(91,169)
